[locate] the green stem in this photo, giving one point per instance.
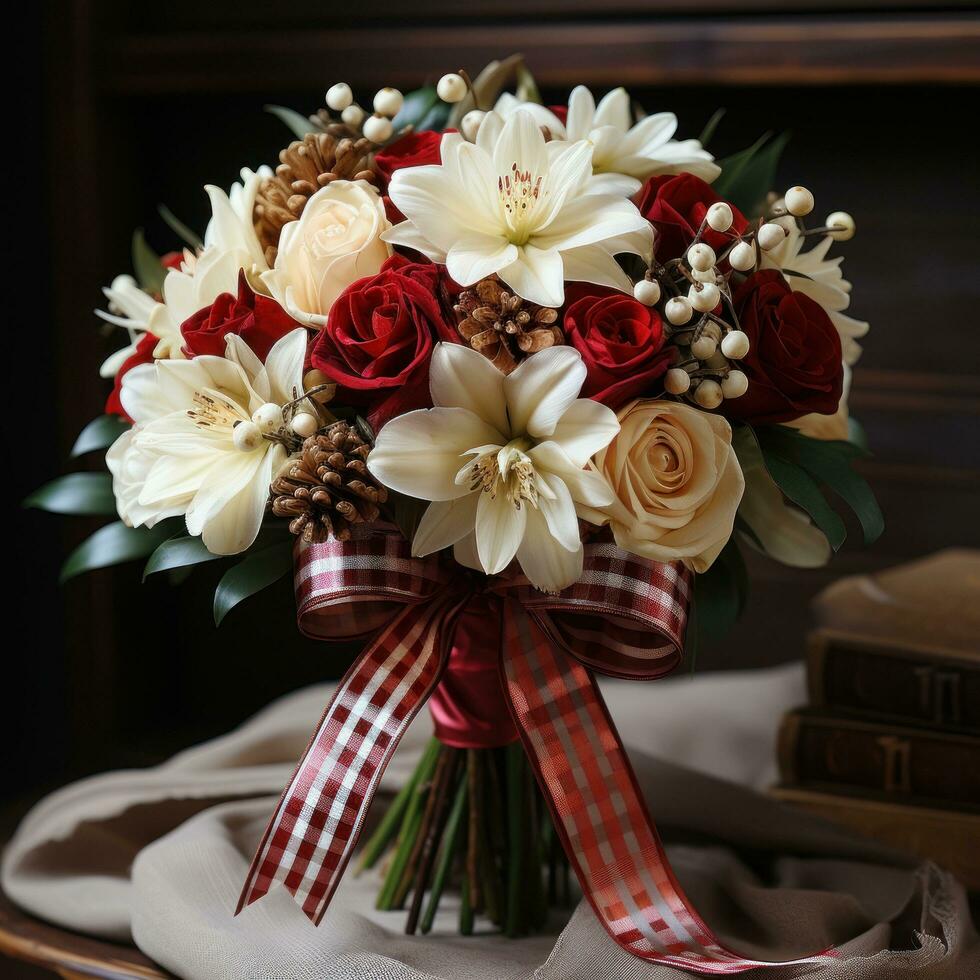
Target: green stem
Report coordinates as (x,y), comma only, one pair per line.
(446,854)
(515,838)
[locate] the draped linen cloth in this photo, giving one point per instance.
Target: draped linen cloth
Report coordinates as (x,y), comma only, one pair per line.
(157,857)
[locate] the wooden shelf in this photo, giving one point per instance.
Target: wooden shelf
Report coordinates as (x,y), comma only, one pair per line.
(901,48)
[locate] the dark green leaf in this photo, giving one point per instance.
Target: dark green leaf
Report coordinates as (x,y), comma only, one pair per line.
(421,108)
(487,86)
(830,462)
(182,231)
(716,600)
(114,544)
(709,128)
(76,493)
(364,428)
(178,552)
(748,176)
(149,270)
(527,87)
(255,573)
(299,124)
(731,557)
(407,512)
(100,433)
(796,484)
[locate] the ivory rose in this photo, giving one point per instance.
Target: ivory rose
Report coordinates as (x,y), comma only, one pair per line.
(336,241)
(677,482)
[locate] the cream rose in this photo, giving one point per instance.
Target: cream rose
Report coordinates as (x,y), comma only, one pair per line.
(677,482)
(336,241)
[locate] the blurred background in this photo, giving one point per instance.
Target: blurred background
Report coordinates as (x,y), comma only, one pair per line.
(119,107)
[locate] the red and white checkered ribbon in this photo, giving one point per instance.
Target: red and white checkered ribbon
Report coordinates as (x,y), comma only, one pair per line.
(625,616)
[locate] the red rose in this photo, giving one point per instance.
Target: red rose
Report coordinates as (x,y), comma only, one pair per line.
(257,319)
(621,342)
(378,338)
(142,355)
(676,206)
(794,364)
(413,150)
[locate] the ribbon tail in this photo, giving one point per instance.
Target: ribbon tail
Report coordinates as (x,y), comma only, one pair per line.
(314,829)
(598,808)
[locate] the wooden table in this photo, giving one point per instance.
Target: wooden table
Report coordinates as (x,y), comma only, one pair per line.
(68,954)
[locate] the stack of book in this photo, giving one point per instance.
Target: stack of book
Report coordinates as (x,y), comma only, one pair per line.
(890,741)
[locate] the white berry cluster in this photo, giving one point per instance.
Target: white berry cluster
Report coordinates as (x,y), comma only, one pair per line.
(695,291)
(376,127)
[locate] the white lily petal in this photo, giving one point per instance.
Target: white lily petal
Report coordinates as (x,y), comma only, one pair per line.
(588,487)
(548,565)
(460,377)
(585,427)
(581,112)
(499,531)
(474,257)
(542,388)
(537,275)
(559,512)
(520,146)
(444,523)
(595,265)
(421,452)
(614,110)
(465,553)
(284,366)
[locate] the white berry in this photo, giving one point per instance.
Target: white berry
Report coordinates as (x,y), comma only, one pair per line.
(742,257)
(339,96)
(470,123)
(708,394)
(799,201)
(388,102)
(377,128)
(451,88)
(647,292)
(678,310)
(304,424)
(735,344)
(706,298)
(246,436)
(676,381)
(734,385)
(268,417)
(770,235)
(842,224)
(352,116)
(704,347)
(701,257)
(720,216)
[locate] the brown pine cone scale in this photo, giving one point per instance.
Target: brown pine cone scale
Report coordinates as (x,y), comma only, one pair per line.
(502,326)
(327,488)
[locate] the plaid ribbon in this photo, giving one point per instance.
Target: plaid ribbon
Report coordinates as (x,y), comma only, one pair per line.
(625,617)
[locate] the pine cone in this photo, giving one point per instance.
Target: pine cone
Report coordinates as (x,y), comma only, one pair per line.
(502,326)
(305,166)
(327,488)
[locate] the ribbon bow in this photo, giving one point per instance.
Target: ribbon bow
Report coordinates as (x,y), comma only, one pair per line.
(624,617)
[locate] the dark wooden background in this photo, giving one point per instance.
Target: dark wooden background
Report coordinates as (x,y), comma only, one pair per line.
(120,106)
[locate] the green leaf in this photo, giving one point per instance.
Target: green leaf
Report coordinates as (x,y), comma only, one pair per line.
(486,86)
(527,87)
(748,176)
(716,599)
(149,270)
(794,481)
(100,433)
(182,231)
(407,512)
(299,124)
(178,552)
(710,126)
(422,110)
(255,573)
(76,493)
(829,461)
(114,544)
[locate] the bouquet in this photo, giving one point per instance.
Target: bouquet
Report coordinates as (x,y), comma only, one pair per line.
(509,388)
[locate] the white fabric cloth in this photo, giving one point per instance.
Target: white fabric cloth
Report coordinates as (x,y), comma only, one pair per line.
(158,857)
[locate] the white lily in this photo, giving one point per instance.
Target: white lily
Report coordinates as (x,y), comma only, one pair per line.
(230,244)
(183,455)
(513,205)
(632,152)
(822,280)
(504,461)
